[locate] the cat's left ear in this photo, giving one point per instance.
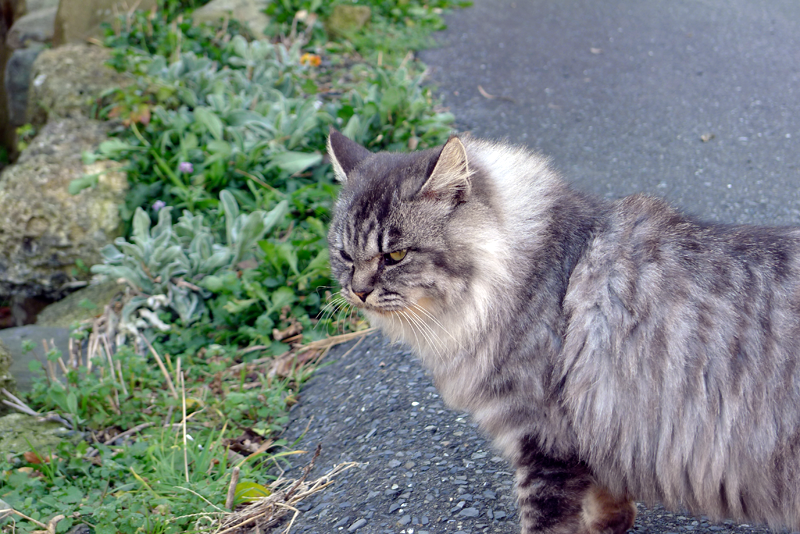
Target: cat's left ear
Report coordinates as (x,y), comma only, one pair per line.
(450,178)
(345,154)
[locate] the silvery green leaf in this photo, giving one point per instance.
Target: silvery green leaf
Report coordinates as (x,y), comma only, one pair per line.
(167,254)
(231,209)
(135,252)
(201,245)
(219,148)
(218,260)
(126,315)
(187,304)
(141,224)
(275,214)
(164,224)
(213,283)
(295,162)
(353,128)
(111,254)
(252,230)
(239,45)
(210,121)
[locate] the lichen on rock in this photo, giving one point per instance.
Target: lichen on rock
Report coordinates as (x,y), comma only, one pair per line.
(65,82)
(46,232)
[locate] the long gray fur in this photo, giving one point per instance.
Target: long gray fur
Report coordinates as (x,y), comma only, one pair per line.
(613,350)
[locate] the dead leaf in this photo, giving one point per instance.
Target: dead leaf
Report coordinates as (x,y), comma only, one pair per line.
(292,330)
(706,137)
(247,264)
(32,458)
(483,92)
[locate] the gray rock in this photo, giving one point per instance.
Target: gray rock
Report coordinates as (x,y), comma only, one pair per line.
(21,433)
(80,305)
(347,19)
(48,232)
(35,27)
(65,82)
(12,338)
(250,13)
(17,82)
(79,19)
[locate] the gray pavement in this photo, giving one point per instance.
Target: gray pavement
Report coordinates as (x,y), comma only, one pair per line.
(620,95)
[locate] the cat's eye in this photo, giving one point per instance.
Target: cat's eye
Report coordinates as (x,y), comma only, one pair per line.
(395,257)
(345,256)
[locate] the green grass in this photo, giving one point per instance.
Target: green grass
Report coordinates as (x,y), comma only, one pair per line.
(224,141)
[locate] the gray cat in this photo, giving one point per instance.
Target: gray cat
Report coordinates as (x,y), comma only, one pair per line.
(613,350)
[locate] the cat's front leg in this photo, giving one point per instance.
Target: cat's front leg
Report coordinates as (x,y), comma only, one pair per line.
(557,497)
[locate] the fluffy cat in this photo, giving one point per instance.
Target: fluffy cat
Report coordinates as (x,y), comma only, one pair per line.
(613,350)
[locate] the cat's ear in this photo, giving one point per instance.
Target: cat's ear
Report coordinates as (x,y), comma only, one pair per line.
(345,154)
(450,178)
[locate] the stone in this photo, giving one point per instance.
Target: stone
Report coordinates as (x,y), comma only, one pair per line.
(21,433)
(6,377)
(49,237)
(17,81)
(12,339)
(83,304)
(37,5)
(347,19)
(66,81)
(79,20)
(250,13)
(35,27)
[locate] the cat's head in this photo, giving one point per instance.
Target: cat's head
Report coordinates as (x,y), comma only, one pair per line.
(398,240)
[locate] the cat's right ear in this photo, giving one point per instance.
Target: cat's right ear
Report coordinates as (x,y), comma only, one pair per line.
(345,154)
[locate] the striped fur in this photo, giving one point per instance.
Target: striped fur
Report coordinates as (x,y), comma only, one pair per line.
(613,350)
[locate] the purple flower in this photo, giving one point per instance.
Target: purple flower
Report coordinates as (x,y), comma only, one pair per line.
(158,204)
(185,166)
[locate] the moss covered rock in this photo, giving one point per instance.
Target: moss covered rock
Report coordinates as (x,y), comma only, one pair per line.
(80,305)
(66,81)
(347,19)
(22,433)
(46,233)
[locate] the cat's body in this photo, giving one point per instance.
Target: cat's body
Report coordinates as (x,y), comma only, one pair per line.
(612,350)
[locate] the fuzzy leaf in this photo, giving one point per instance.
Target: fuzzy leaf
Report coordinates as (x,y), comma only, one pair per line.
(209,119)
(295,162)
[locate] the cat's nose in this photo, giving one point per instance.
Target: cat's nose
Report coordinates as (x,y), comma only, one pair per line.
(363,294)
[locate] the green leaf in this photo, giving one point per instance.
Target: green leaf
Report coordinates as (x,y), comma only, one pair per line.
(281,297)
(79,184)
(87,304)
(236,306)
(249,491)
(72,402)
(295,162)
(209,119)
(114,147)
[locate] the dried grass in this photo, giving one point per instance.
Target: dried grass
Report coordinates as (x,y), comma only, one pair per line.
(266,512)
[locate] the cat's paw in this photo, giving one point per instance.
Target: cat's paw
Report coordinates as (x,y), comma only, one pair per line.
(603,514)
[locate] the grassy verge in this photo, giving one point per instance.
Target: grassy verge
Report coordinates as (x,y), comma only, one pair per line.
(189,378)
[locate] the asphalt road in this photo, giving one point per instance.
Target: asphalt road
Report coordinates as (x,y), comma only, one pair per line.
(696,101)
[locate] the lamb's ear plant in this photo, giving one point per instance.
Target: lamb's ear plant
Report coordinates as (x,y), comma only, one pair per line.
(223,140)
(166,263)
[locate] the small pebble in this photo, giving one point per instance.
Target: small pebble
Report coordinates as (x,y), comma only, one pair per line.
(357,525)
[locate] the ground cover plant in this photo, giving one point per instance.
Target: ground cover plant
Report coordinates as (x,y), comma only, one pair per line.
(188,379)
